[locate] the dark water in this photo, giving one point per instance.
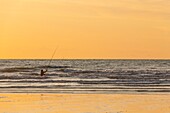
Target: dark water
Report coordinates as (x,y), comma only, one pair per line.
(85,76)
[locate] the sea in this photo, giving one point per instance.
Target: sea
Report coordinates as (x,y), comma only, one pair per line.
(85,76)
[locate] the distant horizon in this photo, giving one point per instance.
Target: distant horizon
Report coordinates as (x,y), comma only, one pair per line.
(83,59)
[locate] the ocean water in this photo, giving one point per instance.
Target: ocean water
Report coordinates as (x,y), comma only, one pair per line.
(85,76)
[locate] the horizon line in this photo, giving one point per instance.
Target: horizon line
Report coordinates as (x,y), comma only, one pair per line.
(85,59)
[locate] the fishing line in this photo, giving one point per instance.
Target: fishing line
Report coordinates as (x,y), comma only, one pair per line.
(52,57)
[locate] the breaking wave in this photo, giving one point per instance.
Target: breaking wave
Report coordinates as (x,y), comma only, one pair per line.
(86,75)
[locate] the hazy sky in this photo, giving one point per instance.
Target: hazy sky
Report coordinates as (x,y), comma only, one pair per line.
(85,28)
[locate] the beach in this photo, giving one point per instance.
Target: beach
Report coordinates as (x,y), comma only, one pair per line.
(84,103)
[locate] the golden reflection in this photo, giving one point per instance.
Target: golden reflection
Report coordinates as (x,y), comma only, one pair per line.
(84,103)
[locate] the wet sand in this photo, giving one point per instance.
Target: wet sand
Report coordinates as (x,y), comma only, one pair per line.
(84,103)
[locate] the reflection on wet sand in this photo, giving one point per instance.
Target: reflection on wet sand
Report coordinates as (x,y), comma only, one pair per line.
(84,103)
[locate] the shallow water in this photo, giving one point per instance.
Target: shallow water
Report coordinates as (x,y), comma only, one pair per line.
(85,76)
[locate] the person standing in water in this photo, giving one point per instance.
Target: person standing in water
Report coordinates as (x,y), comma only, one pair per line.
(42,73)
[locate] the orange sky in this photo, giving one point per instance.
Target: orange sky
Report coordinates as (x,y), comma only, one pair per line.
(85,29)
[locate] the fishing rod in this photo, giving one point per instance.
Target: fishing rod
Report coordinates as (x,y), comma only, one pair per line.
(52,58)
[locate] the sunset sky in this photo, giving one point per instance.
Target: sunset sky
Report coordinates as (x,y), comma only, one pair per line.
(114,29)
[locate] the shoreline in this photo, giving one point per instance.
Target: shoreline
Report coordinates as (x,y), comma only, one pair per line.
(79,91)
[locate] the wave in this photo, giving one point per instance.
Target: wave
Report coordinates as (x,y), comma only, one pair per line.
(53,67)
(68,89)
(29,69)
(16,69)
(23,77)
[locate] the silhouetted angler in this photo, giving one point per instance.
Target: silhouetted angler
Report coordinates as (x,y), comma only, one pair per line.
(43,72)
